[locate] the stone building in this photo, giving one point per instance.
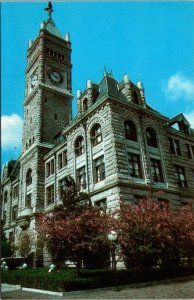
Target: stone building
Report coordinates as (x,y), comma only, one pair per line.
(116,147)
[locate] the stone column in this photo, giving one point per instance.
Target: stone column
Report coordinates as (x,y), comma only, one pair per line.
(141,88)
(79,109)
(89,93)
(127,88)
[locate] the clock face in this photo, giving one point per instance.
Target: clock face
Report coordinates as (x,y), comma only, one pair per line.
(34,80)
(55,76)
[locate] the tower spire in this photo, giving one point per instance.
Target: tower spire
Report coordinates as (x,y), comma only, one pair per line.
(49,10)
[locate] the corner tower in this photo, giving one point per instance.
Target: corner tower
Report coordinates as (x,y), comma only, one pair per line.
(47,105)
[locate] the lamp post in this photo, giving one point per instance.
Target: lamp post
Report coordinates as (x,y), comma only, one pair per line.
(112,237)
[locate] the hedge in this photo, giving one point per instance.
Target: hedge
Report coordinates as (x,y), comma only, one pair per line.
(65,280)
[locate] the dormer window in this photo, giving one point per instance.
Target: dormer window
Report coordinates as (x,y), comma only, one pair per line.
(85,105)
(184,128)
(135,97)
(151,137)
(179,122)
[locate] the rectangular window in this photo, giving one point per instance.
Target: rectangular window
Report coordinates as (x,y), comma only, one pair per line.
(189,155)
(156,170)
(192,150)
(101,204)
(99,169)
(134,165)
(29,200)
(4,216)
(175,146)
(192,175)
(50,194)
(50,168)
(14,212)
(62,159)
(15,191)
(96,135)
(79,146)
(61,188)
(180,176)
(81,178)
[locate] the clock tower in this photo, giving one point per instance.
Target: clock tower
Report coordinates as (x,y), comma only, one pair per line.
(47,109)
(47,105)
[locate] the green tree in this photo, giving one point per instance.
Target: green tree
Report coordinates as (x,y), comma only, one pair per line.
(6,247)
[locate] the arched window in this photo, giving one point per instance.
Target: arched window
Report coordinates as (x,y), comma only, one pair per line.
(79,146)
(5,197)
(135,97)
(85,105)
(96,135)
(151,137)
(130,131)
(29,177)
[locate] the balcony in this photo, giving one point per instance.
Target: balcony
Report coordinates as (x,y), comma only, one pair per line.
(25,212)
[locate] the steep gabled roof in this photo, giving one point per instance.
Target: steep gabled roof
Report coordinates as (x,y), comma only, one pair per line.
(179,118)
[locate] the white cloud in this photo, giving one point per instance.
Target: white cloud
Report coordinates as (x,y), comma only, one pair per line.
(11,132)
(190,117)
(178,86)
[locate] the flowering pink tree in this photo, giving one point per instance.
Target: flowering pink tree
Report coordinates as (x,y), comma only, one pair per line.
(76,231)
(75,236)
(150,231)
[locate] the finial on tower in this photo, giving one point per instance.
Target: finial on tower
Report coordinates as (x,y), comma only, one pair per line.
(49,9)
(104,71)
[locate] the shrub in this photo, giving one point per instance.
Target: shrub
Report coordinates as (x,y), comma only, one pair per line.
(65,280)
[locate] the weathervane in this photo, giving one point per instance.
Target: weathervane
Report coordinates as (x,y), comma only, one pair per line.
(49,9)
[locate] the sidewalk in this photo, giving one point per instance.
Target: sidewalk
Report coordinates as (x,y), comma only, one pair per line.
(170,290)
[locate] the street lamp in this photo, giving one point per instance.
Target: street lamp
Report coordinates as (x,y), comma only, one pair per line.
(112,237)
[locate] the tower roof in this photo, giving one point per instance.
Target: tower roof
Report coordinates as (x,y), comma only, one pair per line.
(109,86)
(49,24)
(50,27)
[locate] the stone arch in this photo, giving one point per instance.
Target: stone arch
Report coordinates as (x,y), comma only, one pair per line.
(130,131)
(75,134)
(96,120)
(133,119)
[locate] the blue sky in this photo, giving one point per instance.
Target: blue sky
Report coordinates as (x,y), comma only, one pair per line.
(150,41)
